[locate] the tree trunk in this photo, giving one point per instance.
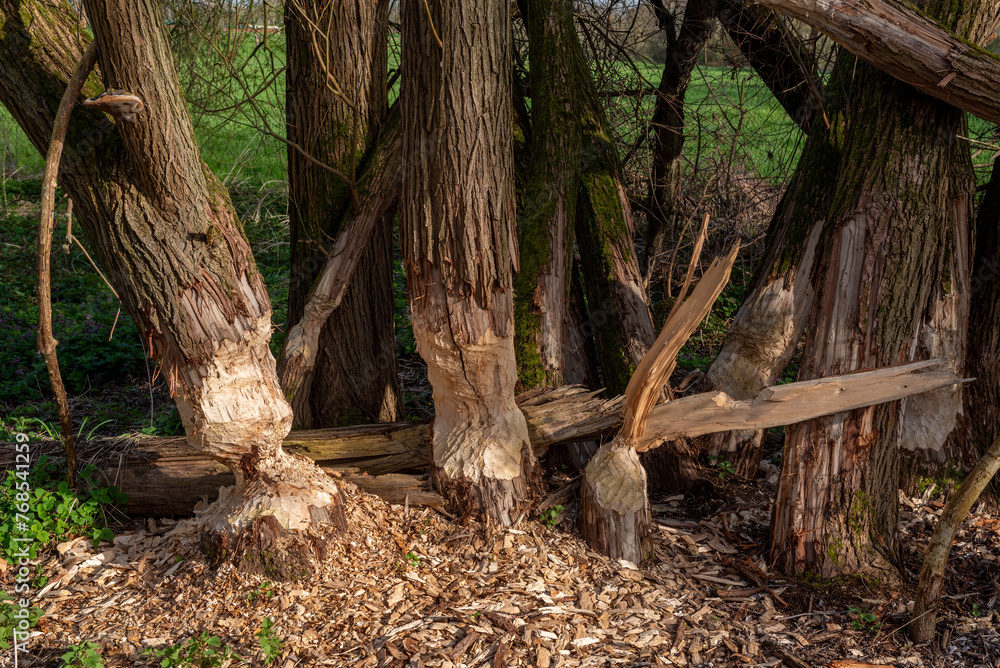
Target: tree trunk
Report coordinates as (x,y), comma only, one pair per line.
(982,398)
(668,120)
(770,321)
(335,106)
(167,235)
(459,247)
(899,221)
(778,57)
(548,211)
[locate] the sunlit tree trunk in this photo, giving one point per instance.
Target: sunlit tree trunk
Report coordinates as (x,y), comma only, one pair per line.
(893,271)
(170,242)
(335,106)
(769,324)
(459,247)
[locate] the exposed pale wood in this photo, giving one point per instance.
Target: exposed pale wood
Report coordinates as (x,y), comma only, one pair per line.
(936,557)
(169,476)
(795,402)
(614,513)
(910,47)
(654,370)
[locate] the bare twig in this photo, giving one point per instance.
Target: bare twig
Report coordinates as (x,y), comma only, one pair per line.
(46,341)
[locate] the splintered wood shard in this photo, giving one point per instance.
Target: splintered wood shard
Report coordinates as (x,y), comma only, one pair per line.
(779,405)
(655,368)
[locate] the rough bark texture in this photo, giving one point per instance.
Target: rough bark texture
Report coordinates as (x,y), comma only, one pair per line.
(683,48)
(170,243)
(940,59)
(335,105)
(900,223)
(777,55)
(459,247)
(548,210)
(982,398)
(770,321)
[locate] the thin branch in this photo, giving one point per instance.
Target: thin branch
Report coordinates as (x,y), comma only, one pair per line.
(45,340)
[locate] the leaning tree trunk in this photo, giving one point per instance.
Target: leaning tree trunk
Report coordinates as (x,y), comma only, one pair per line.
(459,247)
(900,218)
(335,106)
(170,242)
(667,121)
(770,321)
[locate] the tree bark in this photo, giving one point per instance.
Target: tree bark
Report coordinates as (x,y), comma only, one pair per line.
(778,57)
(936,558)
(335,106)
(548,210)
(939,59)
(982,398)
(683,49)
(459,247)
(614,507)
(900,222)
(378,194)
(769,323)
(170,243)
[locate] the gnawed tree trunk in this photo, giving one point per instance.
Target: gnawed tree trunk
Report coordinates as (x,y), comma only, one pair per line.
(170,243)
(548,210)
(902,206)
(459,247)
(941,60)
(614,508)
(770,321)
(778,57)
(683,48)
(166,475)
(335,106)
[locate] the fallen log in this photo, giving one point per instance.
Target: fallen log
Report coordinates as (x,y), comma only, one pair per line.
(910,47)
(166,476)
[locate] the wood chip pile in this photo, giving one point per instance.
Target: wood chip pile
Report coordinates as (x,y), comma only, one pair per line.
(407,588)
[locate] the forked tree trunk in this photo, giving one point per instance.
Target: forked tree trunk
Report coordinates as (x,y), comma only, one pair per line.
(169,240)
(335,106)
(770,321)
(546,231)
(683,49)
(900,216)
(459,247)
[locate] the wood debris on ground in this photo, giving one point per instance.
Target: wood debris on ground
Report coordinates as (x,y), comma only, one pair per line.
(408,588)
